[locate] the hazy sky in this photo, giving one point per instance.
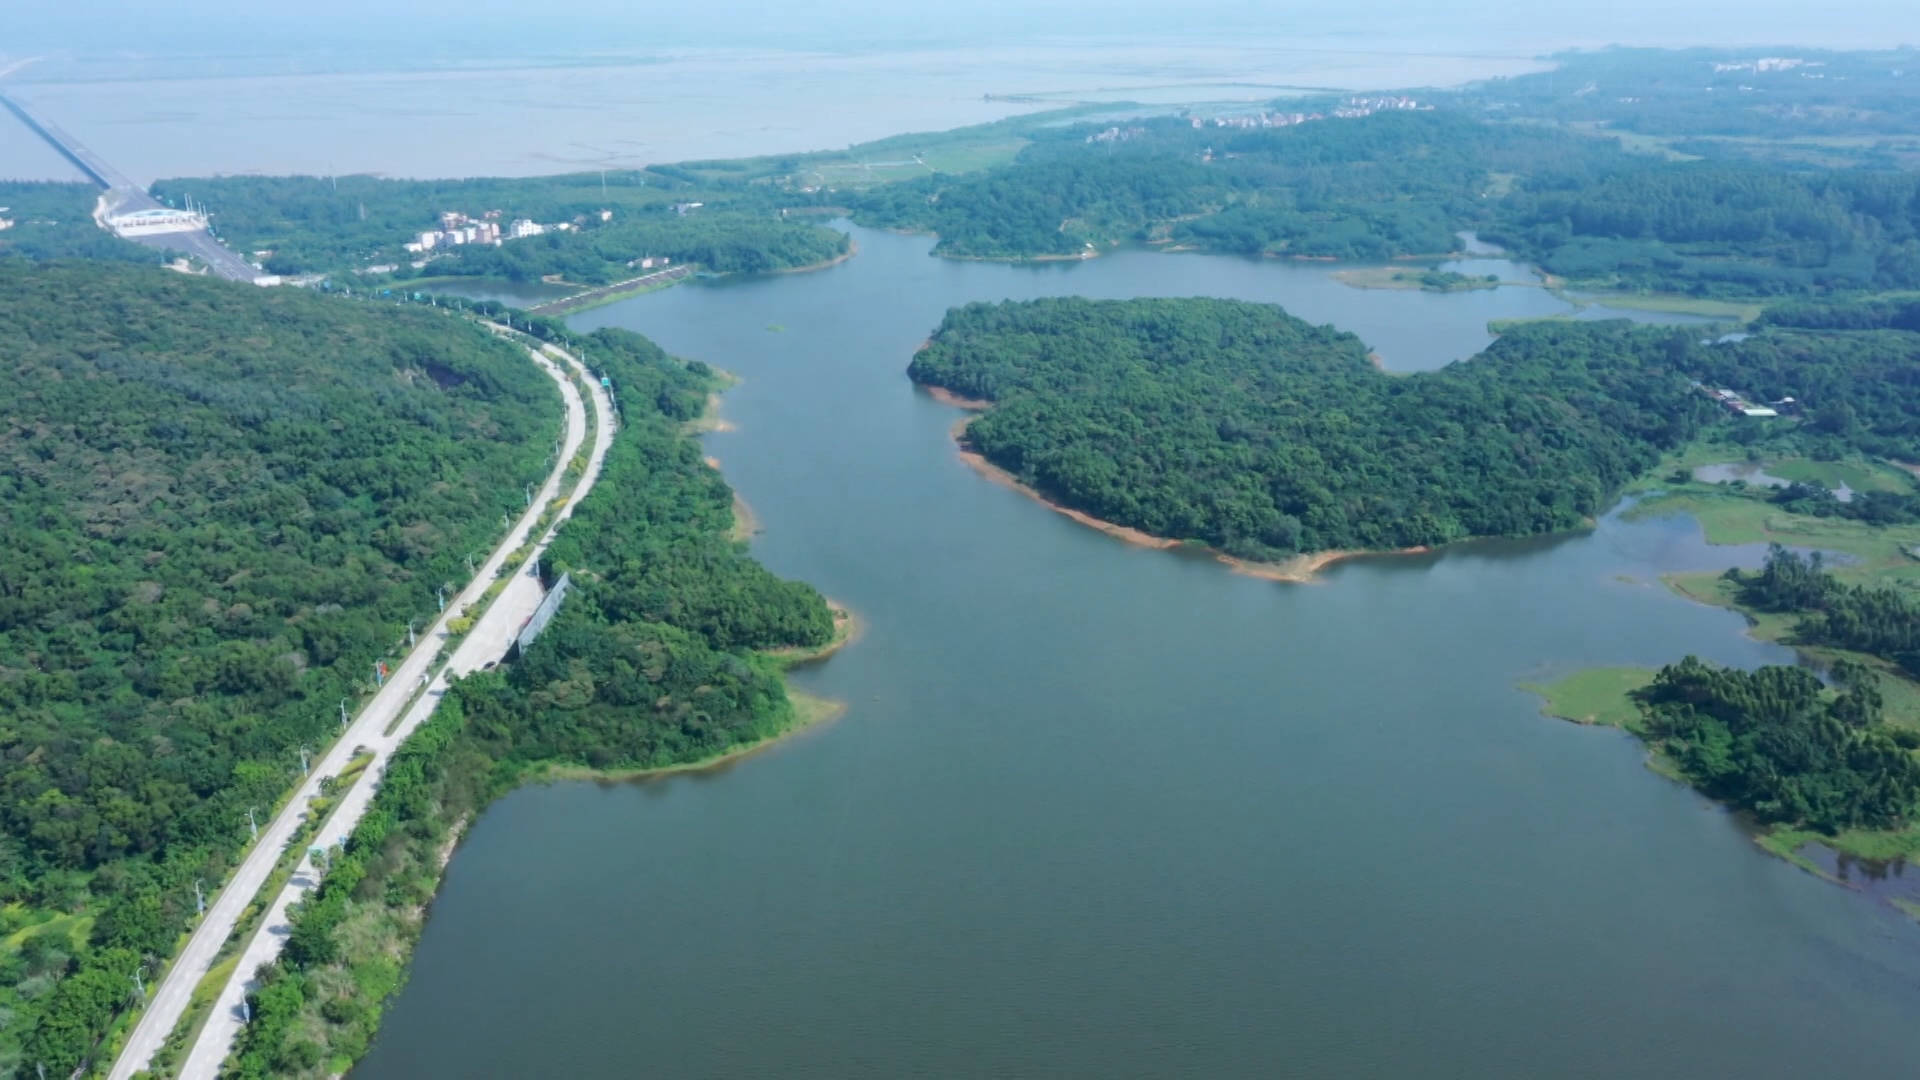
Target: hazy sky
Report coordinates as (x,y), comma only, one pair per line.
(430,26)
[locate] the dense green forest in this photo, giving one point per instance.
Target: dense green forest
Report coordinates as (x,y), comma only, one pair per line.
(1857,391)
(332,224)
(221,505)
(652,661)
(1390,184)
(1719,228)
(1238,425)
(1403,182)
(1875,620)
(54,220)
(1777,743)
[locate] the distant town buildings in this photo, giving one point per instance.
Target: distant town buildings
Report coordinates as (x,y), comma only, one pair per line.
(457,229)
(1766,64)
(1350,109)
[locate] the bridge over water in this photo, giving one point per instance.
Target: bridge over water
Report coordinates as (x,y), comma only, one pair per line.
(123,197)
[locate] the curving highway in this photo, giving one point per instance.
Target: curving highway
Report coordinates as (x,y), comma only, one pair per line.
(488,640)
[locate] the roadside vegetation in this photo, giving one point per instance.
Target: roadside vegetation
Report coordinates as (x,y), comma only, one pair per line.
(670,650)
(222,505)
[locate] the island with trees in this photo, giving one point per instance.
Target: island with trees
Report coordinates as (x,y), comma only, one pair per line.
(1238,426)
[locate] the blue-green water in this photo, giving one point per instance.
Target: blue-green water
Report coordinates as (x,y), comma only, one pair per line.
(1101,811)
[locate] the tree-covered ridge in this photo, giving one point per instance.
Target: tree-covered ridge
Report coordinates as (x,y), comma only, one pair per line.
(1383,185)
(1730,227)
(221,505)
(649,663)
(1238,425)
(1403,182)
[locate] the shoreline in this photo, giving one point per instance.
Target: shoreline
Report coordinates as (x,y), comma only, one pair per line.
(1613,709)
(853,248)
(810,713)
(745,523)
(848,628)
(1303,569)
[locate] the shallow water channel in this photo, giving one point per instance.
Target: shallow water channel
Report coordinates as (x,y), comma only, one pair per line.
(1102,811)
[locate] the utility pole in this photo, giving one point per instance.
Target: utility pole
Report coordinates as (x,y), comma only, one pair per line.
(199,898)
(252,824)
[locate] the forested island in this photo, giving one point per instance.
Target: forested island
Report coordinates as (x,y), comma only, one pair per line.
(222,504)
(662,656)
(1239,426)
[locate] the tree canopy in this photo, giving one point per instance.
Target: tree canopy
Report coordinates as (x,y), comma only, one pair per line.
(1238,425)
(221,505)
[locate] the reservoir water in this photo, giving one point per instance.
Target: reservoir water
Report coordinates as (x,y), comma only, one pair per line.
(1101,811)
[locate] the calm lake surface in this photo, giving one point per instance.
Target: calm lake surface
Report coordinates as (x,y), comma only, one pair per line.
(1101,811)
(628,107)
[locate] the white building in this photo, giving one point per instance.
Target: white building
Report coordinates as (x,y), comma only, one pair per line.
(156,222)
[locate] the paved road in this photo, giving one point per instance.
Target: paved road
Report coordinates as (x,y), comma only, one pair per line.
(488,640)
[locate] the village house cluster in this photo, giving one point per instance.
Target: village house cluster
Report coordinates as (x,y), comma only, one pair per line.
(1350,109)
(457,229)
(1738,404)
